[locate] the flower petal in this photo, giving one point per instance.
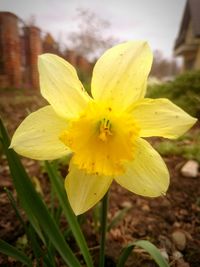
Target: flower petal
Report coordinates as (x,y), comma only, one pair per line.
(37,137)
(60,86)
(85,190)
(160,117)
(147,174)
(120,74)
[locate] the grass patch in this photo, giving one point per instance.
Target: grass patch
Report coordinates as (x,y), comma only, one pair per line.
(184,91)
(187,146)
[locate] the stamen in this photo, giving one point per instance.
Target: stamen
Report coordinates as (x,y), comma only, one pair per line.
(105,130)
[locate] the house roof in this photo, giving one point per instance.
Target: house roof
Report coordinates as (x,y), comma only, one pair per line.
(191,12)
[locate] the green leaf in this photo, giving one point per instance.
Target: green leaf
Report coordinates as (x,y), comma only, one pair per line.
(118,217)
(30,232)
(56,181)
(146,245)
(11,251)
(38,251)
(32,237)
(14,205)
(33,205)
(96,217)
(16,168)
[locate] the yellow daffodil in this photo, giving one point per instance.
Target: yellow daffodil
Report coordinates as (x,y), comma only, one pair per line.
(104,133)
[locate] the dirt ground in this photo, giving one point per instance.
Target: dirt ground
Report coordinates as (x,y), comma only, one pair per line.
(172,222)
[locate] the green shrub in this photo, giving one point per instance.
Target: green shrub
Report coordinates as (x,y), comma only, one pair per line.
(85,78)
(183,91)
(187,146)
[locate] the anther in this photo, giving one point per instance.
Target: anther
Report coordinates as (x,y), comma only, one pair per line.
(104,129)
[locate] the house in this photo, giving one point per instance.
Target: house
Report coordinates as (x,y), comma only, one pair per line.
(187,43)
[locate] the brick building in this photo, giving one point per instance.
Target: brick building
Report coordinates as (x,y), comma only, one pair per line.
(20,46)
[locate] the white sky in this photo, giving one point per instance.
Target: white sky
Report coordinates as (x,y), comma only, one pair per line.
(156,21)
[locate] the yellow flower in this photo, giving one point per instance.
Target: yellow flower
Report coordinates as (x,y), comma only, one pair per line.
(104,132)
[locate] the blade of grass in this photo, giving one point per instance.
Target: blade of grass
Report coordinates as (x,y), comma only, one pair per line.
(32,237)
(11,251)
(14,206)
(28,230)
(39,253)
(12,160)
(96,217)
(57,214)
(52,201)
(33,204)
(146,245)
(118,217)
(56,181)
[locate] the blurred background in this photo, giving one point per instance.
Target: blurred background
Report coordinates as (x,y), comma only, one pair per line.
(80,31)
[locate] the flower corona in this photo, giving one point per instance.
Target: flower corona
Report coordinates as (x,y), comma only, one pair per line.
(101,139)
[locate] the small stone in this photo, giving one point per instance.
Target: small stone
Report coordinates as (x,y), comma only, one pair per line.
(145,207)
(164,253)
(179,239)
(177,255)
(190,169)
(176,225)
(126,204)
(165,203)
(30,162)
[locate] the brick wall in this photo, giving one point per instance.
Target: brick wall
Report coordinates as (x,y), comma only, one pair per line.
(19,50)
(33,48)
(10,49)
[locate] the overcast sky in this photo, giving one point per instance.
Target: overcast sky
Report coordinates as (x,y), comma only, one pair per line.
(156,21)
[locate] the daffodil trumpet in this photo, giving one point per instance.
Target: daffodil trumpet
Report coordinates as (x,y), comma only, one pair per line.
(104,132)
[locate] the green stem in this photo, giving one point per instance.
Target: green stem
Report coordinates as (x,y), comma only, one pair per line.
(104,209)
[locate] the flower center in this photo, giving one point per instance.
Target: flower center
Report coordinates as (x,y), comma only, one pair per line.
(102,139)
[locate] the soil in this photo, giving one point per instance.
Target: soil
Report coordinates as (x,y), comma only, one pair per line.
(155,219)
